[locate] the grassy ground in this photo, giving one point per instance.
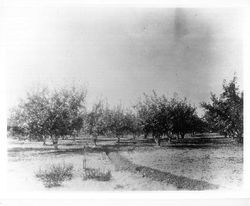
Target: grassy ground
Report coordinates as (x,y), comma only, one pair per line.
(211,159)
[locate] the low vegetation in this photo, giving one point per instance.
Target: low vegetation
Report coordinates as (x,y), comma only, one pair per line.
(96,174)
(55,174)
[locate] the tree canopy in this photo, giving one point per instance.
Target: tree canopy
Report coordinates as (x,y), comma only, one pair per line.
(225,112)
(62,113)
(50,114)
(161,116)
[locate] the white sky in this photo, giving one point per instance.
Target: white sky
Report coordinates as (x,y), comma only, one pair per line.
(119,53)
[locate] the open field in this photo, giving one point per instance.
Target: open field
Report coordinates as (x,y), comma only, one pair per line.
(220,166)
(24,163)
(213,160)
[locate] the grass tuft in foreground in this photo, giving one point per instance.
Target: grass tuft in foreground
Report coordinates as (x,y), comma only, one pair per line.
(55,174)
(97,174)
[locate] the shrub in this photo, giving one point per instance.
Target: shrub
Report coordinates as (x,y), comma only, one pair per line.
(97,174)
(55,175)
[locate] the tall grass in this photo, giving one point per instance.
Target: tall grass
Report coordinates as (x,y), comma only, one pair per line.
(55,174)
(93,173)
(96,174)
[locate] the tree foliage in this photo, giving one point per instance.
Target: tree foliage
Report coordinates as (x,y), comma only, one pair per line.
(96,122)
(50,114)
(225,112)
(160,116)
(113,122)
(62,113)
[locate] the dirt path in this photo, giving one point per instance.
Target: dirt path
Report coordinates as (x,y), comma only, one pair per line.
(180,182)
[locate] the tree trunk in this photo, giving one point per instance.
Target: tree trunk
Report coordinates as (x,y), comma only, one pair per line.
(55,142)
(118,139)
(95,139)
(240,140)
(157,140)
(44,140)
(134,137)
(240,137)
(169,139)
(56,146)
(170,136)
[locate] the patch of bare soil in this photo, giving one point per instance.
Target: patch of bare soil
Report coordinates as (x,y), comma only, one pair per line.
(220,166)
(22,167)
(180,182)
(139,165)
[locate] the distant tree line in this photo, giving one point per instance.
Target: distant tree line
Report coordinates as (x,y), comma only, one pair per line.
(62,113)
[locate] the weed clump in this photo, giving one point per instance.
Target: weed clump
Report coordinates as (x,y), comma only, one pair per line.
(97,174)
(55,174)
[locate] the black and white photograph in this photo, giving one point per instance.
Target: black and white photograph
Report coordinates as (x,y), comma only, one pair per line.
(123,98)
